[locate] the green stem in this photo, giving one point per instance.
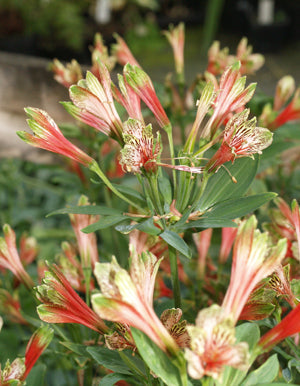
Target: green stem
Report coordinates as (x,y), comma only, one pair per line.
(95,168)
(152,179)
(202,188)
(168,130)
(87,272)
(174,275)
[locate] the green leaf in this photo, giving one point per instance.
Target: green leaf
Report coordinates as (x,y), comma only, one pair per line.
(109,359)
(209,223)
(112,379)
(77,348)
(146,226)
(176,242)
(265,373)
(156,359)
(87,209)
(165,188)
(233,208)
(249,333)
(37,375)
(104,222)
(130,193)
(220,186)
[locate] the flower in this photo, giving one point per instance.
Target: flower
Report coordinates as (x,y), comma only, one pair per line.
(178,330)
(175,37)
(28,249)
(289,325)
(19,369)
(241,139)
(37,344)
(140,153)
(128,98)
(93,103)
(284,90)
(11,307)
(252,260)
(10,259)
(100,53)
(213,345)
(87,242)
(202,241)
(232,96)
(122,52)
(228,236)
(218,59)
(127,298)
(61,304)
(66,75)
(48,136)
(143,87)
(72,269)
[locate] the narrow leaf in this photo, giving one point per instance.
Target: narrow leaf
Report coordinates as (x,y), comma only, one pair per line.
(109,359)
(156,359)
(87,209)
(265,373)
(220,186)
(103,223)
(176,242)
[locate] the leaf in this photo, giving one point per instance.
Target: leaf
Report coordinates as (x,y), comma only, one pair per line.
(130,193)
(109,359)
(176,242)
(233,208)
(220,186)
(87,209)
(112,379)
(249,333)
(103,223)
(146,226)
(156,359)
(210,223)
(77,348)
(265,373)
(37,375)
(165,188)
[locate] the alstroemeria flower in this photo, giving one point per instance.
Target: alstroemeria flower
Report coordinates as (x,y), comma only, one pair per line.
(290,325)
(100,52)
(218,59)
(285,222)
(86,242)
(232,96)
(10,259)
(48,136)
(253,260)
(143,87)
(127,298)
(61,304)
(122,52)
(290,113)
(93,103)
(202,241)
(177,329)
(37,344)
(19,369)
(284,90)
(242,138)
(72,269)
(66,75)
(213,345)
(11,307)
(28,249)
(175,37)
(280,282)
(140,152)
(228,236)
(128,99)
